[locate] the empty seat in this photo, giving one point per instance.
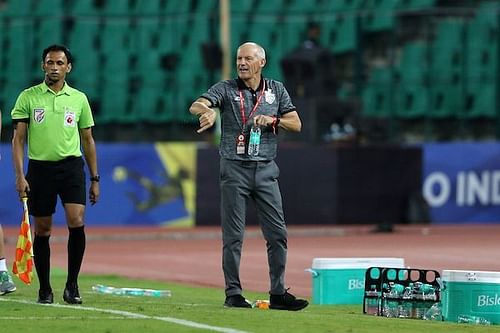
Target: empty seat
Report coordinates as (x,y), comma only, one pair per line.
(377,95)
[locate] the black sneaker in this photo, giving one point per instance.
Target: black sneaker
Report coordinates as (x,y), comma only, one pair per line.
(287,302)
(45,297)
(71,294)
(236,301)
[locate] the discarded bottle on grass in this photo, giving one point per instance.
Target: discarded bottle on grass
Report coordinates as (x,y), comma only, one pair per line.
(101,289)
(261,304)
(467,319)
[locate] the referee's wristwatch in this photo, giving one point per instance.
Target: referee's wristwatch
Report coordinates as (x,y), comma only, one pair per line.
(95,178)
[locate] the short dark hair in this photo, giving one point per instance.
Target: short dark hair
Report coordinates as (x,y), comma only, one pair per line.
(58,48)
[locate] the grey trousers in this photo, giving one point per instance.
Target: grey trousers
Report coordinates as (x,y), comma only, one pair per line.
(240,181)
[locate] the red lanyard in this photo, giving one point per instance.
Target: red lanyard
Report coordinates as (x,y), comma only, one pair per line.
(242,105)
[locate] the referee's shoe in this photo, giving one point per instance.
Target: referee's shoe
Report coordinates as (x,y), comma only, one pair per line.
(71,294)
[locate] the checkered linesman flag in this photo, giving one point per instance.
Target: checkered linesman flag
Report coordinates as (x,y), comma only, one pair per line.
(23,262)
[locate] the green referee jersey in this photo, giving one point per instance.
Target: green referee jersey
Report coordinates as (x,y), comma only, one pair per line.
(54,120)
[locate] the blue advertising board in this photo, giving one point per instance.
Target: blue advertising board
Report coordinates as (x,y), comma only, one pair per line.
(461,182)
(140,184)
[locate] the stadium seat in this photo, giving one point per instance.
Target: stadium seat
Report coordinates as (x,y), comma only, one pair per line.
(481,100)
(380,15)
(114,106)
(48,31)
(83,8)
(343,36)
(413,64)
(116,7)
(416,4)
(377,96)
(446,99)
(446,50)
(412,100)
(12,8)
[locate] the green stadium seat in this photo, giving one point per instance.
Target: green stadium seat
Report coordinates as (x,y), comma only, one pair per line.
(170,37)
(412,100)
(270,7)
(417,4)
(115,35)
(446,100)
(300,7)
(84,8)
(114,106)
(343,36)
(377,95)
(341,6)
(48,31)
(380,15)
(447,49)
(18,52)
(413,64)
(116,7)
(481,100)
(47,7)
(176,7)
(13,8)
(293,32)
(147,7)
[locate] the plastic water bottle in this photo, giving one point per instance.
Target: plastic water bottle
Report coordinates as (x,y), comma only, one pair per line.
(475,320)
(372,299)
(261,304)
(434,312)
(392,300)
(101,289)
(406,306)
(254,141)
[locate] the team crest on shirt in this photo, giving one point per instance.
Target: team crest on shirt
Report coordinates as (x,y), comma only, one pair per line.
(69,119)
(38,115)
(269,96)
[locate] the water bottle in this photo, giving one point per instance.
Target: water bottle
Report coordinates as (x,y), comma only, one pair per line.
(434,312)
(406,306)
(101,289)
(372,299)
(475,320)
(254,141)
(392,300)
(261,304)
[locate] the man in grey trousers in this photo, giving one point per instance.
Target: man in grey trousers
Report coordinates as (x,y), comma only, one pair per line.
(252,109)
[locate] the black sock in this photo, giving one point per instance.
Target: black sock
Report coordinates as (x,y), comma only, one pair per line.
(41,253)
(76,249)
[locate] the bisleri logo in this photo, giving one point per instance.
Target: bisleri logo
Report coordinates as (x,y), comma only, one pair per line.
(356,284)
(488,300)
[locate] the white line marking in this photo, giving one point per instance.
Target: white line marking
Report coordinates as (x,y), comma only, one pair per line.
(64,318)
(127,314)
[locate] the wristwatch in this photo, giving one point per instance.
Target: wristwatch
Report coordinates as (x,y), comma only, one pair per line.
(95,178)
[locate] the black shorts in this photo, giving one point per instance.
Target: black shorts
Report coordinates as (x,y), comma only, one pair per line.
(47,180)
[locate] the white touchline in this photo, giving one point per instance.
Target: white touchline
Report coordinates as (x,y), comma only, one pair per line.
(127,314)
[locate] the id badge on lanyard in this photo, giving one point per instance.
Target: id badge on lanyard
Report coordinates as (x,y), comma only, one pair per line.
(240,140)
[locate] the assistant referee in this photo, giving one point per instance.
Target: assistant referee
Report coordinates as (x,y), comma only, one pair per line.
(57,121)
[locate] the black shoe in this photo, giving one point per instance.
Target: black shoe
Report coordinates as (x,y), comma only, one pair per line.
(71,294)
(287,302)
(236,301)
(45,297)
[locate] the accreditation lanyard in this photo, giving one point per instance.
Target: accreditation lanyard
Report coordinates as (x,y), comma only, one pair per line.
(242,106)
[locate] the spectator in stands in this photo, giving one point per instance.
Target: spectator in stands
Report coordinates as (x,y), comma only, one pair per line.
(247,102)
(313,35)
(58,122)
(6,283)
